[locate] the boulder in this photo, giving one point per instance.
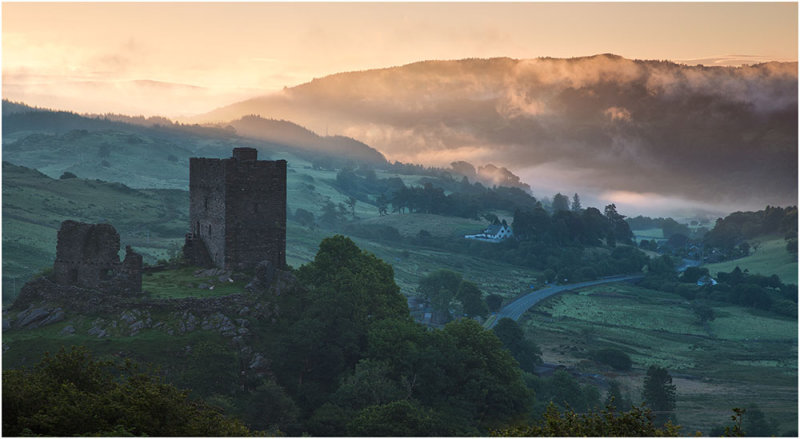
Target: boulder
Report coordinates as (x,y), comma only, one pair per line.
(32,317)
(264,274)
(55,316)
(259,362)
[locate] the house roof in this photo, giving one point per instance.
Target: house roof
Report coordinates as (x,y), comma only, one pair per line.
(494,229)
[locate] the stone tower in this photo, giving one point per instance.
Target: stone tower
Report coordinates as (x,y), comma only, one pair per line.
(237,208)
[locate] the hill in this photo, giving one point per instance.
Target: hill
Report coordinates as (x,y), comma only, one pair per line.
(39,132)
(34,205)
(607,121)
(768,257)
(287,133)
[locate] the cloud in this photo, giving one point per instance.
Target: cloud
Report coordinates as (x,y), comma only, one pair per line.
(618,113)
(700,134)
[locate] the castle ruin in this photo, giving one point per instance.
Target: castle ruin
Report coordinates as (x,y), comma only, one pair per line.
(237,209)
(87,257)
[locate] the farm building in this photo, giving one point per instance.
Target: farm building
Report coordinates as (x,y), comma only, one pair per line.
(493,233)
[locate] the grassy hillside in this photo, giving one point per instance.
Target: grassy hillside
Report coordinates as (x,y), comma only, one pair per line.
(34,205)
(769,258)
(155,221)
(759,350)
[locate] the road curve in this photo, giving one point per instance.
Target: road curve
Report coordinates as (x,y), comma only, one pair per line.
(515,309)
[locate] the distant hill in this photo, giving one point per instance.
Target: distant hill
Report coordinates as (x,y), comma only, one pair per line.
(288,133)
(10,107)
(724,135)
(154,152)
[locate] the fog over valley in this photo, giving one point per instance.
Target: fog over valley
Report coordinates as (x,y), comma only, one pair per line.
(616,129)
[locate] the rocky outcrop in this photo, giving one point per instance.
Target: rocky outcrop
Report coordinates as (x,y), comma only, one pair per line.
(34,317)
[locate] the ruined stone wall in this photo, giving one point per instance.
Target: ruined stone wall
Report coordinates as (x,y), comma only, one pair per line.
(256,213)
(207,206)
(87,256)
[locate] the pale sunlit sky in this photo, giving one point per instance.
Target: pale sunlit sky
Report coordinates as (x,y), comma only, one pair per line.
(188,58)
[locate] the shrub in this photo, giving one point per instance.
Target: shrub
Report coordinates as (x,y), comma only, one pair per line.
(613,357)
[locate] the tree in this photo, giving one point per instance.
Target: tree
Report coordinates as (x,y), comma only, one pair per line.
(614,397)
(494,302)
(383,205)
(636,422)
(72,394)
(471,299)
(523,350)
(613,357)
(704,312)
(330,214)
(397,419)
(351,203)
(620,230)
(440,287)
(461,371)
(659,393)
(755,423)
(560,202)
(693,274)
(304,217)
(368,385)
(67,175)
(346,290)
(576,203)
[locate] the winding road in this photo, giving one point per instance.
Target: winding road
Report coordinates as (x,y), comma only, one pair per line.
(515,309)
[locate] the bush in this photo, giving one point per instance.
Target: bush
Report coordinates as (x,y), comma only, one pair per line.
(304,217)
(613,357)
(67,175)
(72,394)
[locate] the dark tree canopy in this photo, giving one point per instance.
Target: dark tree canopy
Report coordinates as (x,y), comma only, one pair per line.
(659,393)
(523,350)
(560,202)
(72,394)
(471,298)
(440,287)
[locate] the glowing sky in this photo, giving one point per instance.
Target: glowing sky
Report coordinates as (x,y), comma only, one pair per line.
(188,58)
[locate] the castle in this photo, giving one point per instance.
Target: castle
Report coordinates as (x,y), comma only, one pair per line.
(86,256)
(237,209)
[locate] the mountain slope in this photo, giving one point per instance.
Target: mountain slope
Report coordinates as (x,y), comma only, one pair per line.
(719,135)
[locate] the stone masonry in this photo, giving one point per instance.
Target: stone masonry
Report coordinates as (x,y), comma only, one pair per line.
(237,208)
(87,256)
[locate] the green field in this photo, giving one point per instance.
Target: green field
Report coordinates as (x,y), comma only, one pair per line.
(770,257)
(741,357)
(648,234)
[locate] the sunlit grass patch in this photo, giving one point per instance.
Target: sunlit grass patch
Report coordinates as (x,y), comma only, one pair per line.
(183,282)
(769,258)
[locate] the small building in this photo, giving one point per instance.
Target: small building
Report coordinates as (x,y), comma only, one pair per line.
(706,280)
(493,233)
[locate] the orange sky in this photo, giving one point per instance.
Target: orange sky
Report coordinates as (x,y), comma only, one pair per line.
(188,58)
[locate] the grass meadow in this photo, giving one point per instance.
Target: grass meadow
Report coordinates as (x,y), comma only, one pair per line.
(740,358)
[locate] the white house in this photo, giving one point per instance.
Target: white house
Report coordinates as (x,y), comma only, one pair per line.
(706,280)
(493,233)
